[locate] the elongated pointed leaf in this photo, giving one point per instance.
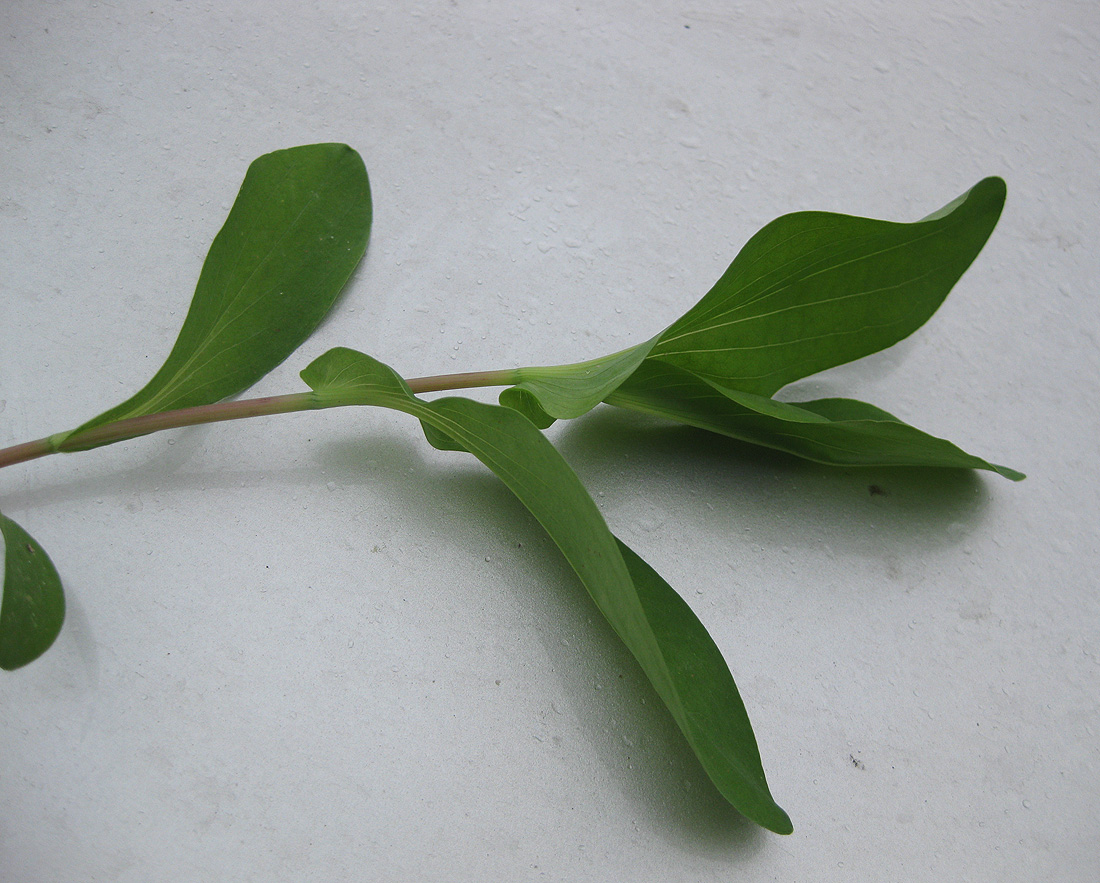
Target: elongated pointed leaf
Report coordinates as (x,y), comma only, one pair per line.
(34,604)
(810,291)
(666,638)
(294,235)
(813,290)
(841,432)
(718,730)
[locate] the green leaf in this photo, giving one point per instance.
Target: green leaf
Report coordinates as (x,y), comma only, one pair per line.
(808,292)
(296,231)
(841,432)
(707,704)
(669,642)
(34,604)
(813,290)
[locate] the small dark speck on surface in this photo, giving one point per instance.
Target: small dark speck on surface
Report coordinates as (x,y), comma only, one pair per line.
(876,491)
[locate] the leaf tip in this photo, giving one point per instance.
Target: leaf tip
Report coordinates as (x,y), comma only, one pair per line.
(994,189)
(783,824)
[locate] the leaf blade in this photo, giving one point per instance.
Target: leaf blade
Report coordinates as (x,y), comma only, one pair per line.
(33,607)
(813,290)
(295,233)
(709,696)
(838,432)
(671,645)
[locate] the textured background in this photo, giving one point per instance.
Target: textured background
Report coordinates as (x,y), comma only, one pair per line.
(312,648)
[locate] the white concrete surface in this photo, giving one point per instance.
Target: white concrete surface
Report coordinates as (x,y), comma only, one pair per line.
(311,648)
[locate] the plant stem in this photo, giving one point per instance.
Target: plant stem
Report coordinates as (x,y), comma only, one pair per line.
(440,382)
(31,450)
(132,427)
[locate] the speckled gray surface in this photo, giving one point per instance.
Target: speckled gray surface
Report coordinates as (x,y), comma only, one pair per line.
(312,648)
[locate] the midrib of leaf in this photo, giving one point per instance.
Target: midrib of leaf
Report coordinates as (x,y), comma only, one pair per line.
(945,214)
(782,284)
(801,338)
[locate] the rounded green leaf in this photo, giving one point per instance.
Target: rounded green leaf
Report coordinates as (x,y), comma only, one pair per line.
(296,231)
(33,608)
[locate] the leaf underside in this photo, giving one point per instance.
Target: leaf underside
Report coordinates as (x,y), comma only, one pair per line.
(671,645)
(838,432)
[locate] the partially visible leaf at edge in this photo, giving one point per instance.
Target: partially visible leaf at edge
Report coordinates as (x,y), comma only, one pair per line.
(296,231)
(33,607)
(671,645)
(841,432)
(813,290)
